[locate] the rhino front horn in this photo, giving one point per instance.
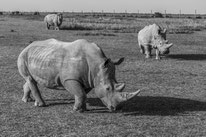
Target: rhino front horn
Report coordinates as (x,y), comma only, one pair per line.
(170,45)
(124,96)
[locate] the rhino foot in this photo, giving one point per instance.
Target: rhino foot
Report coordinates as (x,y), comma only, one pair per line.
(28,99)
(147,56)
(80,110)
(111,109)
(39,104)
(157,58)
(142,51)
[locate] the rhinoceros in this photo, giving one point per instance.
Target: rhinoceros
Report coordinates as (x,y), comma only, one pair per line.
(53,20)
(78,67)
(153,37)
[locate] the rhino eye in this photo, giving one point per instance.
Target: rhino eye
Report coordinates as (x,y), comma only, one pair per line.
(107,88)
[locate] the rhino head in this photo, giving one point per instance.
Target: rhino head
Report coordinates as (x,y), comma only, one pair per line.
(108,89)
(161,43)
(59,18)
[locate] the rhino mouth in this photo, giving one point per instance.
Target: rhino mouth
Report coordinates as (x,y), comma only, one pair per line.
(110,107)
(165,52)
(118,99)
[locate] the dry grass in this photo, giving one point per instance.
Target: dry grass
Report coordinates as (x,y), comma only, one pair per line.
(123,24)
(133,25)
(172,102)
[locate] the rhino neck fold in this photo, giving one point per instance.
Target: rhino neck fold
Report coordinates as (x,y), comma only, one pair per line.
(93,77)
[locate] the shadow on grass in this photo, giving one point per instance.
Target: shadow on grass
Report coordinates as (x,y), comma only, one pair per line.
(146,105)
(75,27)
(55,102)
(188,56)
(142,105)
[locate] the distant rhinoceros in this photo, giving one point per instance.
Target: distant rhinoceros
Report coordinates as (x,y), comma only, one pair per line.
(53,20)
(153,36)
(78,67)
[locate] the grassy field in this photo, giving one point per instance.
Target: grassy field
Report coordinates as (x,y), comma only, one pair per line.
(172,101)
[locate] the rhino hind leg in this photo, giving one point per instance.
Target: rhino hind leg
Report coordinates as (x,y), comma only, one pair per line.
(27,91)
(35,92)
(80,96)
(142,49)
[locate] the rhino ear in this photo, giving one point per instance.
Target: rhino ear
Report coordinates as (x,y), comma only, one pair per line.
(119,86)
(119,61)
(164,31)
(104,64)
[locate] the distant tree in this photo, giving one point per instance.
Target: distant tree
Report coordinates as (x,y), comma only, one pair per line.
(36,13)
(198,17)
(168,16)
(15,13)
(1,13)
(158,15)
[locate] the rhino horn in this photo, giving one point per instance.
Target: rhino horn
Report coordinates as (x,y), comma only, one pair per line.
(169,45)
(164,30)
(124,96)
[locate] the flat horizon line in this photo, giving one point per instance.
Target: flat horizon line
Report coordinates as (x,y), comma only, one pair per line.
(105,12)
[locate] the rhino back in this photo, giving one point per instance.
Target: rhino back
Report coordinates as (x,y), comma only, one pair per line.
(52,62)
(145,36)
(51,19)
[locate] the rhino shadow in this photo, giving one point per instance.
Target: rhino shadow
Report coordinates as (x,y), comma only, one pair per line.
(164,106)
(54,102)
(146,105)
(188,56)
(96,102)
(74,27)
(141,105)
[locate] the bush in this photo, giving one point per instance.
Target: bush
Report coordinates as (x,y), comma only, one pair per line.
(36,13)
(158,15)
(15,13)
(198,17)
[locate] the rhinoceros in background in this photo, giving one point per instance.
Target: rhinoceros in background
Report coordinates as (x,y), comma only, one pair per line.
(77,66)
(153,36)
(53,20)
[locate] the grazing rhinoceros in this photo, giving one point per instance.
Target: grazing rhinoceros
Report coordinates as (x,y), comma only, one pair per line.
(153,36)
(77,66)
(53,20)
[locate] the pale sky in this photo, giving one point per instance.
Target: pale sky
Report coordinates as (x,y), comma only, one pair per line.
(144,6)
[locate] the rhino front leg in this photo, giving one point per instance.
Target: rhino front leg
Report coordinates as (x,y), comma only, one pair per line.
(80,96)
(48,26)
(56,28)
(157,54)
(27,91)
(35,92)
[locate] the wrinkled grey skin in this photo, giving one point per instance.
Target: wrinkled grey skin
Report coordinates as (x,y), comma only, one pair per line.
(77,66)
(53,20)
(153,37)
